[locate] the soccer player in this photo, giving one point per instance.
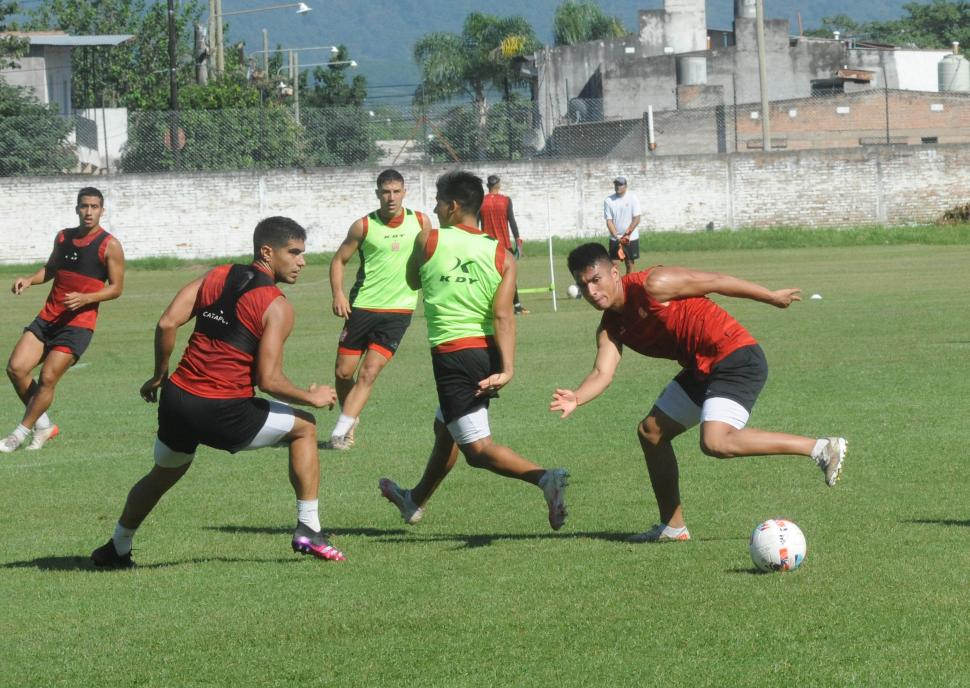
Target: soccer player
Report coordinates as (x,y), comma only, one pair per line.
(242,320)
(378,311)
(468,280)
(663,312)
(87,265)
(497,218)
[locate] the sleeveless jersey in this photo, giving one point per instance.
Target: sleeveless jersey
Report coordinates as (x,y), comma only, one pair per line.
(219,361)
(384,252)
(495,218)
(460,275)
(79,266)
(695,332)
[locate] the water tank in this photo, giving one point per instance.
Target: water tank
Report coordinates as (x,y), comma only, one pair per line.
(691,70)
(746,9)
(954,73)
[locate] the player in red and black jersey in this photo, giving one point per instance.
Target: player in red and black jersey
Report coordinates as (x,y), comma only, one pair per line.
(663,312)
(88,267)
(497,218)
(242,320)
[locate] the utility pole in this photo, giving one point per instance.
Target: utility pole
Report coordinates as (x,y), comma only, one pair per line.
(220,51)
(763,76)
(201,56)
(266,53)
(211,58)
(173,97)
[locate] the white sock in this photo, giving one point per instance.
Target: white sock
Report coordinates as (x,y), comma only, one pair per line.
(307,513)
(344,424)
(20,432)
(819,446)
(43,422)
(122,538)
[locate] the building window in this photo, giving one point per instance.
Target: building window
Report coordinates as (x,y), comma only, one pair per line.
(930,139)
(827,87)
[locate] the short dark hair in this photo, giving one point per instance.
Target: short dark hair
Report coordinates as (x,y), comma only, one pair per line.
(276,232)
(389,175)
(586,256)
(89,191)
(492,180)
(463,187)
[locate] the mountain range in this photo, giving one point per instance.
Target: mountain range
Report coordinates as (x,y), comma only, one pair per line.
(380,34)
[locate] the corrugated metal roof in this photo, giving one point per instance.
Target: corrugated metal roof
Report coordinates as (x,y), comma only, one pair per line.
(64,40)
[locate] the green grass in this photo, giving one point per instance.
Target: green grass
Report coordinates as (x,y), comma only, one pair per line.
(482,593)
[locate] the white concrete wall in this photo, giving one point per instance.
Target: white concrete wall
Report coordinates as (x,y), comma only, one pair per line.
(212,214)
(917,69)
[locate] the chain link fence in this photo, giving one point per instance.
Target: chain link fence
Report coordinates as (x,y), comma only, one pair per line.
(287,136)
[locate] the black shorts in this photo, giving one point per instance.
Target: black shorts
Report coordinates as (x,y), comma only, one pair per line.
(456,376)
(632,249)
(185,420)
(378,330)
(739,377)
(71,340)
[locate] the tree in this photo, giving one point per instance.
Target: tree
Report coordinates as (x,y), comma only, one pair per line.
(133,75)
(473,63)
(32,136)
(11,47)
(933,25)
(578,21)
(337,126)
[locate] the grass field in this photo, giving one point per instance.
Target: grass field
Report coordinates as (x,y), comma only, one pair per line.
(482,593)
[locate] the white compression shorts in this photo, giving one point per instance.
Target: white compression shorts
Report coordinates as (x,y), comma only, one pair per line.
(674,402)
(470,427)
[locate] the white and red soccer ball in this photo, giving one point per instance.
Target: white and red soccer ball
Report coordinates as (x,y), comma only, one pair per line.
(777,545)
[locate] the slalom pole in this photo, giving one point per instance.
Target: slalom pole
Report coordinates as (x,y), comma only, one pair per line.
(552,270)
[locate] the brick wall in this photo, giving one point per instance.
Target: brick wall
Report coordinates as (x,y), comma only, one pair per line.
(213,214)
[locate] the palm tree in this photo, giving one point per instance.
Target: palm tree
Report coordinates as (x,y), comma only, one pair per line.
(577,21)
(477,61)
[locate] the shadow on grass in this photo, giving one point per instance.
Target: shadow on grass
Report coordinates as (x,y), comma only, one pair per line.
(939,522)
(78,563)
(412,535)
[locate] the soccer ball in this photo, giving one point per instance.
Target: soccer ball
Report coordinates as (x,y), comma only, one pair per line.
(777,545)
(573,291)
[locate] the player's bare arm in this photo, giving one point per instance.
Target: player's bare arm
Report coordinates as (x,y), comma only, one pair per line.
(503,314)
(270,378)
(608,353)
(349,246)
(44,274)
(114,258)
(416,259)
(178,313)
(666,283)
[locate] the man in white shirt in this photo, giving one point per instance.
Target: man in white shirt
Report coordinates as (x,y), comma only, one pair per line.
(622,213)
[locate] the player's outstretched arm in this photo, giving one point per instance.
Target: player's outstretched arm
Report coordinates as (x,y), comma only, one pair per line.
(503,315)
(270,378)
(667,283)
(45,273)
(178,313)
(608,352)
(349,246)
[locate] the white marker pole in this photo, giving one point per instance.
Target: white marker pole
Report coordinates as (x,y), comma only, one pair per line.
(552,269)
